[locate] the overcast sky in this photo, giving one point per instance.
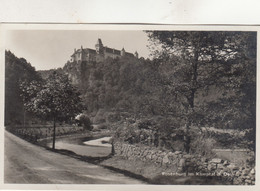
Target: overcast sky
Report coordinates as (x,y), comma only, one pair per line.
(47,49)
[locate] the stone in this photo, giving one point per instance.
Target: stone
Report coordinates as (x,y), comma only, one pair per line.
(170,154)
(159,159)
(216,160)
(212,167)
(233,166)
(241,168)
(204,160)
(252,177)
(177,152)
(221,172)
(182,162)
(220,166)
(179,170)
(164,153)
(238,173)
(226,162)
(153,156)
(187,156)
(248,177)
(165,160)
(245,172)
(149,156)
(252,171)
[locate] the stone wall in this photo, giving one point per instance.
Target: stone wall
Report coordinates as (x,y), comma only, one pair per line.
(181,163)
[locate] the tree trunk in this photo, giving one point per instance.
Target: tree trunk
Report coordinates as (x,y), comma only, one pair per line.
(189,120)
(23,116)
(54,133)
(187,138)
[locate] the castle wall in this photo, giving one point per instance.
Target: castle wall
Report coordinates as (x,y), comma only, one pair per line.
(91,57)
(77,57)
(99,54)
(111,55)
(84,56)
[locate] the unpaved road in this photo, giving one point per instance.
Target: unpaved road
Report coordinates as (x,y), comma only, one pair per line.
(28,163)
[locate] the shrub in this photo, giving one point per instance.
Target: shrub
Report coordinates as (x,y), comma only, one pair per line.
(113,117)
(84,121)
(203,145)
(103,126)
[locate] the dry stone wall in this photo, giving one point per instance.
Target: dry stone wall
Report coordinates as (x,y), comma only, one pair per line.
(179,163)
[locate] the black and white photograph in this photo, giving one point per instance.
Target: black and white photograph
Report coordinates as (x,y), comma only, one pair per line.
(146,106)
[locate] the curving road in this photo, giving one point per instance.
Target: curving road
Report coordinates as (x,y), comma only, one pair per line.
(28,163)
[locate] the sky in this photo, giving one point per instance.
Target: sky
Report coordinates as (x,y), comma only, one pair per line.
(49,49)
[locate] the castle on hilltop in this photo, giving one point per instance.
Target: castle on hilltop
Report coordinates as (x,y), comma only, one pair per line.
(100,54)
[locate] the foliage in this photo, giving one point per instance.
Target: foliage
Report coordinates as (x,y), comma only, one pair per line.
(196,78)
(84,120)
(55,100)
(209,75)
(203,145)
(17,70)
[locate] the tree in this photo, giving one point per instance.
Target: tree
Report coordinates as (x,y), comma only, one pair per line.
(55,100)
(203,63)
(16,71)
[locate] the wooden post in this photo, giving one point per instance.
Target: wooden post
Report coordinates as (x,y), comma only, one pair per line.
(54,133)
(113,147)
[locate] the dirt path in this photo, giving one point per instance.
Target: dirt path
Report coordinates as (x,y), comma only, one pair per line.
(98,142)
(28,163)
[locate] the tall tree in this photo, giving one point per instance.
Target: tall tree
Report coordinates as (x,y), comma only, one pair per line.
(16,71)
(203,63)
(55,100)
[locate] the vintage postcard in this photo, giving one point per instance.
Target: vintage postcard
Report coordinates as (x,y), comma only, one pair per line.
(116,107)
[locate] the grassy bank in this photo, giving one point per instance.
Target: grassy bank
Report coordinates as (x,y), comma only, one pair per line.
(155,174)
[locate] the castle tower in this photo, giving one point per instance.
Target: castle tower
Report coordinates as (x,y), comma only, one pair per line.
(122,52)
(99,47)
(136,54)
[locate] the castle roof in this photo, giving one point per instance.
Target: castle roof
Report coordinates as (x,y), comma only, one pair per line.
(106,49)
(90,50)
(128,54)
(111,50)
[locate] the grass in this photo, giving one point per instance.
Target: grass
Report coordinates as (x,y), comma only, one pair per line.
(238,157)
(153,173)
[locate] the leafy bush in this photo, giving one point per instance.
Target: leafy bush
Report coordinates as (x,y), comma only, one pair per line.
(84,120)
(113,117)
(103,126)
(202,145)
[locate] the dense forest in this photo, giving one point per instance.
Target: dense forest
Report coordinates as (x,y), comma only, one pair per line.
(17,70)
(195,81)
